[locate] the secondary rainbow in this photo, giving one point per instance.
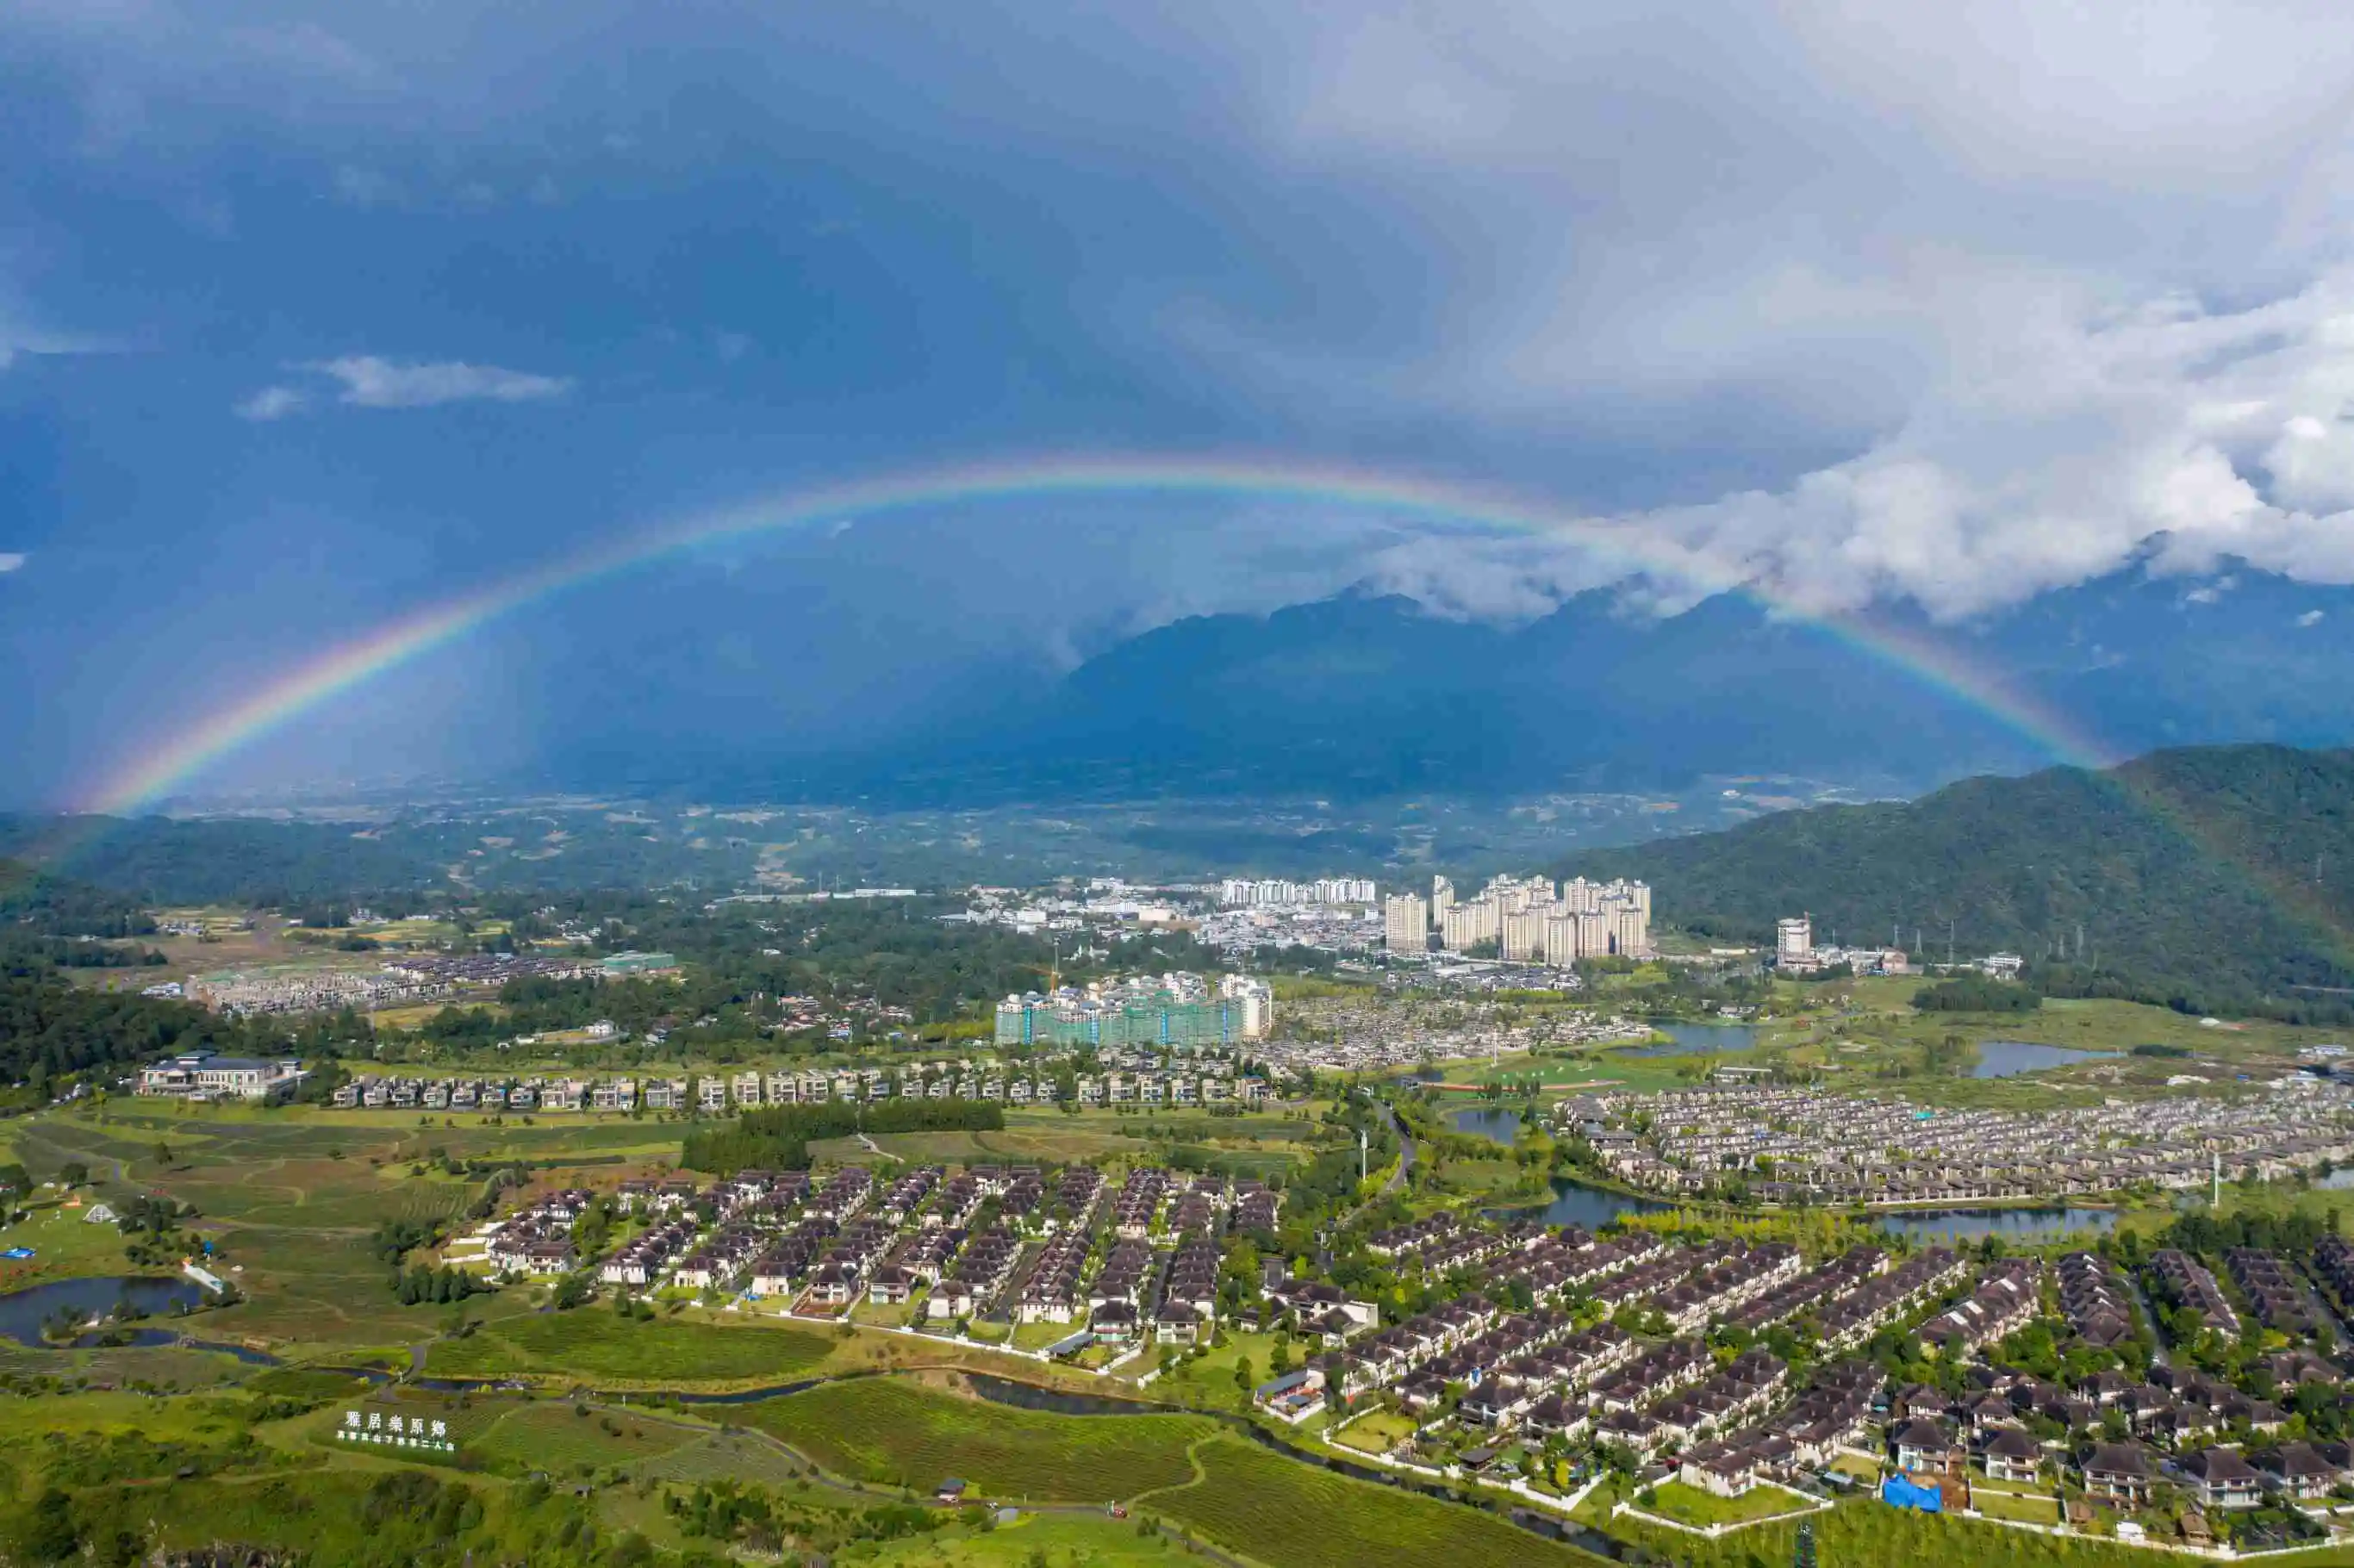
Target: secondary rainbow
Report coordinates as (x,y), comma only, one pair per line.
(180,757)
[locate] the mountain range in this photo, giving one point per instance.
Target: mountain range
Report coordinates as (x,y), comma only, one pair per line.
(1364,696)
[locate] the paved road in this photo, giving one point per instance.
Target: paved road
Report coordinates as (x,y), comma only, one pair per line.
(1405,1150)
(2150,1315)
(1405,1165)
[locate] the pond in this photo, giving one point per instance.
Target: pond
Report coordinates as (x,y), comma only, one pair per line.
(1699,1040)
(1498,1124)
(2008,1058)
(1973,1224)
(1575,1204)
(23,1312)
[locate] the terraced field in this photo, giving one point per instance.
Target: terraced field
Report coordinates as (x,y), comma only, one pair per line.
(1286,1512)
(891,1430)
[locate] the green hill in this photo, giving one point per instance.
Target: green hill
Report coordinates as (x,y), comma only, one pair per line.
(2213,879)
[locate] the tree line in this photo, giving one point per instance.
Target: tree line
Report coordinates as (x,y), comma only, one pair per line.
(777,1137)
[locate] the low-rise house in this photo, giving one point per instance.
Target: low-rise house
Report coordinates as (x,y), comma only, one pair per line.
(2010,1455)
(1923,1446)
(2119,1474)
(2301,1471)
(2221,1478)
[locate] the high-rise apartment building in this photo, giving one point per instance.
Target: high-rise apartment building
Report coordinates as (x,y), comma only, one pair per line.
(1534,922)
(1793,940)
(1405,923)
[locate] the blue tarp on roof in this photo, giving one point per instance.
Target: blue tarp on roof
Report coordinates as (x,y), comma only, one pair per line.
(1903,1493)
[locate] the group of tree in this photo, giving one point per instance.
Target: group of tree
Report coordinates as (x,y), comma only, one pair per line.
(777,1137)
(1977,994)
(2213,880)
(418,1286)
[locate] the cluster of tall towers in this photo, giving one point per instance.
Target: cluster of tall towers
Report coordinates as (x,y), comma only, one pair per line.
(1529,919)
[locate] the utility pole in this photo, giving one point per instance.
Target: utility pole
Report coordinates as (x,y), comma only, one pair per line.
(1949,942)
(1361,1155)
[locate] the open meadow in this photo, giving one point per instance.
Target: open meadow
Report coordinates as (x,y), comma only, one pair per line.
(595,1343)
(894,1431)
(1286,1512)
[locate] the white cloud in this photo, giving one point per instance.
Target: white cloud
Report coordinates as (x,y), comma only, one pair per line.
(2028,297)
(2310,618)
(361,188)
(11,560)
(2069,442)
(369,382)
(271,403)
(20,336)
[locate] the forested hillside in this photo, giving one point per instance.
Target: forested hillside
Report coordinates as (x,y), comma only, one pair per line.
(2216,878)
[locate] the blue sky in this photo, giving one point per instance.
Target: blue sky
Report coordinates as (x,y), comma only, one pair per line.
(309,315)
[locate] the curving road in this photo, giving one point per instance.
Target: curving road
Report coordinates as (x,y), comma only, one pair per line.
(1398,1176)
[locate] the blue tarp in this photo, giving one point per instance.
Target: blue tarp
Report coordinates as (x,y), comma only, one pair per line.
(1903,1493)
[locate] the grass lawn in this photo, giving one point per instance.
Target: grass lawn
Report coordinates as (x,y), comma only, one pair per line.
(2034,1509)
(1690,1505)
(1377,1433)
(558,1438)
(723,1454)
(668,1352)
(1213,1377)
(1294,1515)
(866,1314)
(891,1430)
(1113,1543)
(64,1244)
(1038,1336)
(1869,1532)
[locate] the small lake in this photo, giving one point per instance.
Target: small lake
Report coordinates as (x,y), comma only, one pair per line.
(23,1312)
(1975,1224)
(2008,1058)
(1498,1124)
(1575,1204)
(1699,1040)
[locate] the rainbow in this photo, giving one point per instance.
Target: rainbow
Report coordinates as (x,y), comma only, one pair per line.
(169,765)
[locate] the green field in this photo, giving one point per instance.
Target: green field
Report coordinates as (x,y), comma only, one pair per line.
(735,1455)
(566,1438)
(1286,1513)
(1056,1539)
(65,1246)
(1867,1532)
(593,1343)
(2040,1509)
(891,1430)
(1376,1433)
(1690,1505)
